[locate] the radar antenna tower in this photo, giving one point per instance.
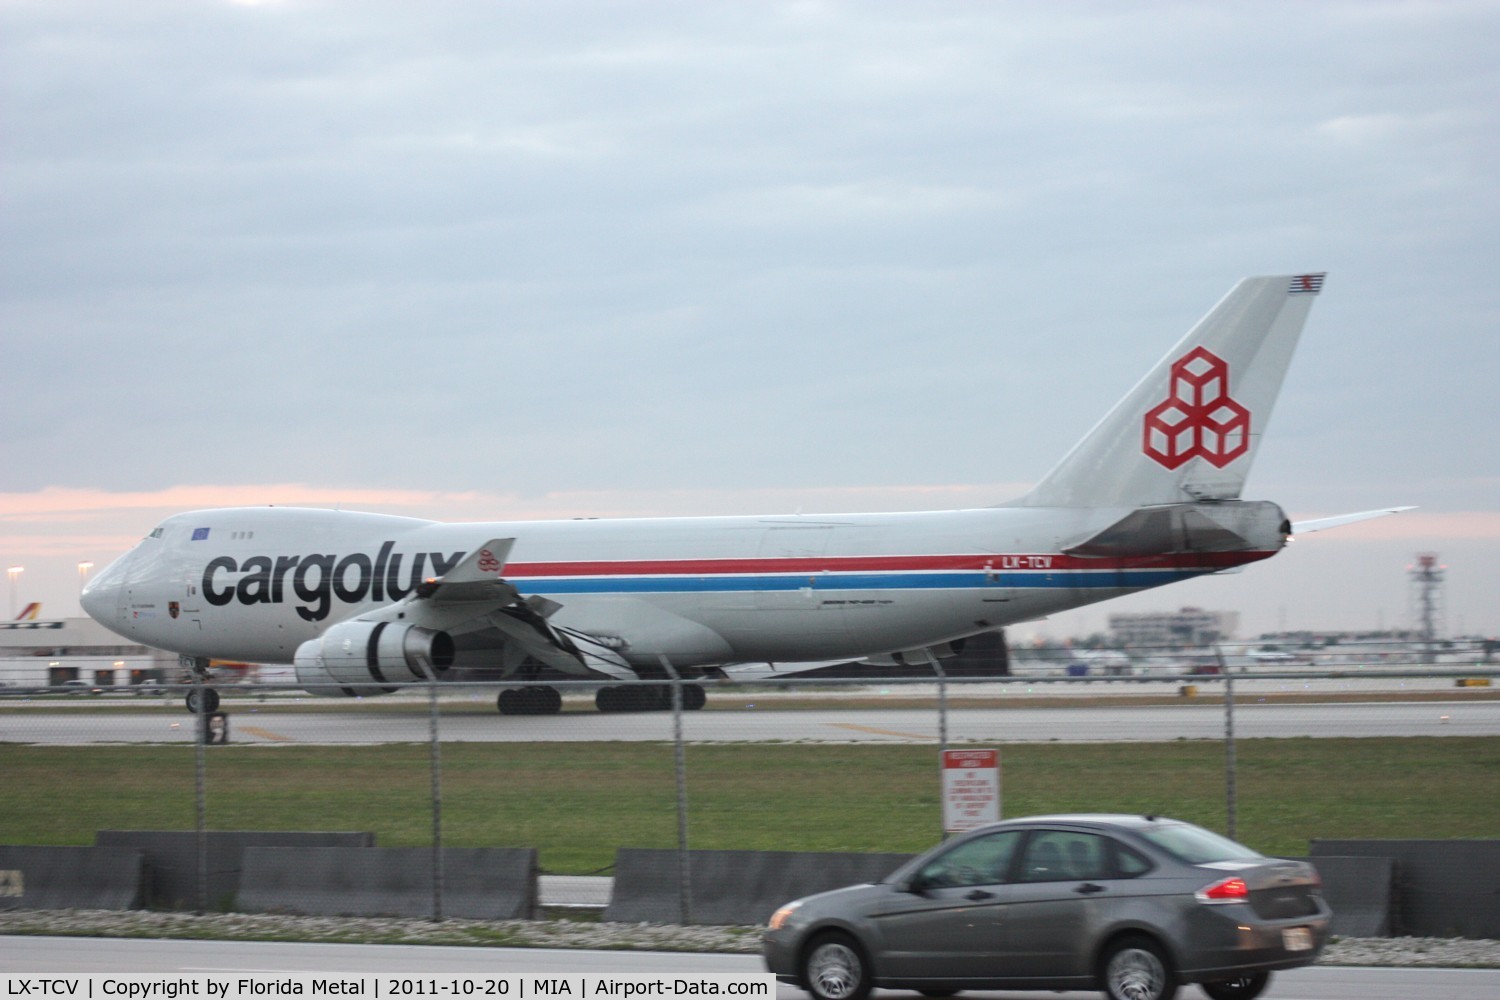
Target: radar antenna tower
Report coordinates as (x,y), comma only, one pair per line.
(1426,577)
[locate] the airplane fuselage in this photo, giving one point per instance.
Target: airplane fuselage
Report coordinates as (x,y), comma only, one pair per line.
(256,583)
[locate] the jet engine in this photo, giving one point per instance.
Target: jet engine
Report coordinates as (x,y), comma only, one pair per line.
(365,658)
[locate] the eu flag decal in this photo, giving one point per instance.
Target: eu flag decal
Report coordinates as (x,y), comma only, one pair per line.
(200,534)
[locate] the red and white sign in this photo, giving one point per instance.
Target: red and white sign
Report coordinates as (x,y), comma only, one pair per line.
(971,789)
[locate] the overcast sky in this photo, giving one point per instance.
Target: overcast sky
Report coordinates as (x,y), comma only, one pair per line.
(511,260)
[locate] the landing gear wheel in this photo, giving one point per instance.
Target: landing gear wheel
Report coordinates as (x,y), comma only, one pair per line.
(529,701)
(205,703)
(1246,987)
(634,698)
(693,697)
(834,968)
(551,700)
(1136,968)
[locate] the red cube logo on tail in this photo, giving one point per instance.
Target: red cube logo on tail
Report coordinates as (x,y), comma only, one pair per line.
(1198,419)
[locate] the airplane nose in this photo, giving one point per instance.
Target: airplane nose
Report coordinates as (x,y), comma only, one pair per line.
(101,597)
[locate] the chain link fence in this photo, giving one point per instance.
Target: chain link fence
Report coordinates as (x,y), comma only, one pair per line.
(1274,754)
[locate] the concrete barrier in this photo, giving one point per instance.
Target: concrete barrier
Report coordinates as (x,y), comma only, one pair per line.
(172,859)
(1444,888)
(1360,892)
(67,878)
(731,887)
(482,883)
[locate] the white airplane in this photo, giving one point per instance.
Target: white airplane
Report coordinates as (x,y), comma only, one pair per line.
(361,601)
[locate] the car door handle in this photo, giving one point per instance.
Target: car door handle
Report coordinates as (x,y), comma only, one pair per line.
(978,894)
(1088,889)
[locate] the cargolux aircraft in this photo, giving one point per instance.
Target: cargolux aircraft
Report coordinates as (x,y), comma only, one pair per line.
(359,602)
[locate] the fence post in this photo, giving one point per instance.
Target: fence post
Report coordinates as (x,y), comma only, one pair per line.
(1231,762)
(679,761)
(942,686)
(437,801)
(200,782)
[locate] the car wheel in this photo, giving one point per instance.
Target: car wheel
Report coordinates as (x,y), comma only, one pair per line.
(1135,968)
(1246,987)
(834,968)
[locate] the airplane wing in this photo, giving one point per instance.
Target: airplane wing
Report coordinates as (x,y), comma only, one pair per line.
(475,596)
(762,671)
(921,656)
(468,591)
(1319,524)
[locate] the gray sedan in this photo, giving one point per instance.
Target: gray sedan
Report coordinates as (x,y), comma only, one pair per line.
(1130,905)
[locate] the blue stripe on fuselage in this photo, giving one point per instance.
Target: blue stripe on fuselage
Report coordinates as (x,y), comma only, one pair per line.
(1106,579)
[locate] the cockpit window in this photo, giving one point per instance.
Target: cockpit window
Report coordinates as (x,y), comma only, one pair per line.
(155,534)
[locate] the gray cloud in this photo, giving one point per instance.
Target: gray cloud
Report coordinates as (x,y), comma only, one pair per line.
(666,246)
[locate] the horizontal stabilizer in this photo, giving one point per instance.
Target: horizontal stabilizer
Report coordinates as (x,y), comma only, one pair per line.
(1320,523)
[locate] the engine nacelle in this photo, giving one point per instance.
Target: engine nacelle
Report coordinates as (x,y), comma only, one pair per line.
(365,658)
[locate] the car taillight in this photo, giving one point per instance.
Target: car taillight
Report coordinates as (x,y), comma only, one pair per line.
(1229,890)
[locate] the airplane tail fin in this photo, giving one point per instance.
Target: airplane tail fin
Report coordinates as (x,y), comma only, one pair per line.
(1189,430)
(30,612)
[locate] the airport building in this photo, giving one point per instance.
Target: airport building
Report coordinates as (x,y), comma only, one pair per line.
(35,653)
(1186,627)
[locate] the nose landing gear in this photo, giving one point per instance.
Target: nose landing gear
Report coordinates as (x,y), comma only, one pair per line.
(200,700)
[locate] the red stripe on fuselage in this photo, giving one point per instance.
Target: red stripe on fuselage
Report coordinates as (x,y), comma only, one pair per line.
(1054,562)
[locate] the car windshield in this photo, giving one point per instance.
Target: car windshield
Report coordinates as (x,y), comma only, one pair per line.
(1197,846)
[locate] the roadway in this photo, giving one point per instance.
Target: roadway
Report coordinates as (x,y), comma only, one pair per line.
(125,956)
(759,720)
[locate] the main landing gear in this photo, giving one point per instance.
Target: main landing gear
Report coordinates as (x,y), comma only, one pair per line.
(648,698)
(530,701)
(616,698)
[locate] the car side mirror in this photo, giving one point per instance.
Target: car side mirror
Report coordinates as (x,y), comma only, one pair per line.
(916,885)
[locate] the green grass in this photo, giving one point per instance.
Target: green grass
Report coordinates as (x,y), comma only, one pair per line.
(577,802)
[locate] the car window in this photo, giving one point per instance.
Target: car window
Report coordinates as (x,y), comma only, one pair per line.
(1195,845)
(985,860)
(1130,863)
(1064,855)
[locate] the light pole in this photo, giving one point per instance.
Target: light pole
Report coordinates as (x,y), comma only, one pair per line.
(83,580)
(14,572)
